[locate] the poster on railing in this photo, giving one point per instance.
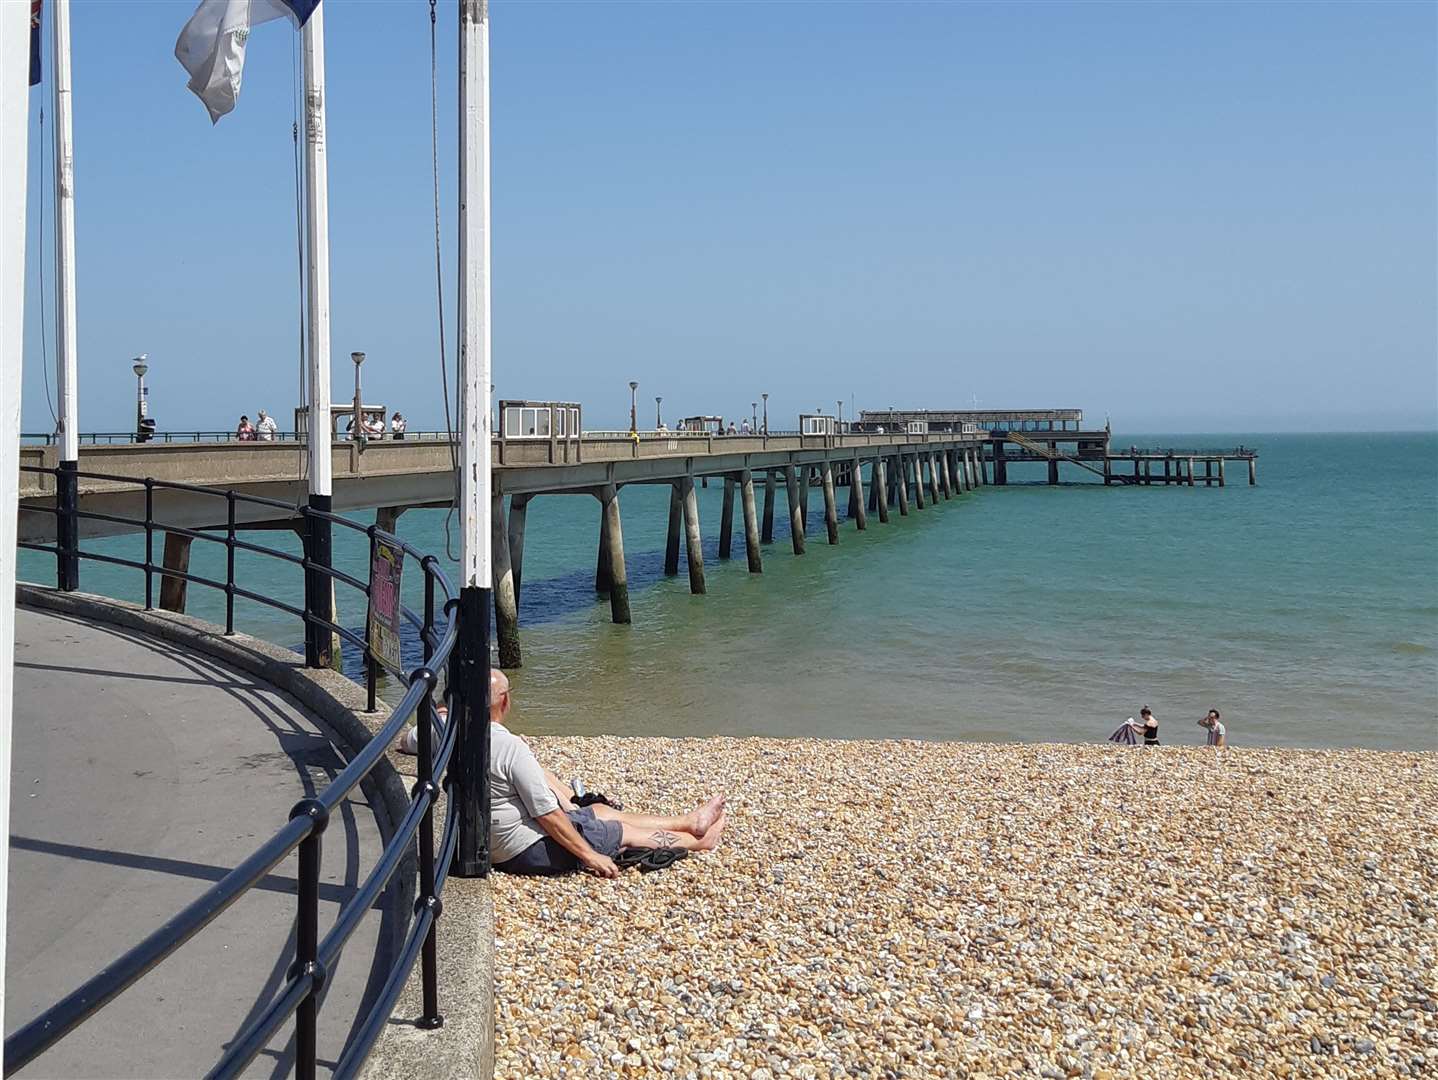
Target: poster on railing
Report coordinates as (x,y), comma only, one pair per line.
(386,564)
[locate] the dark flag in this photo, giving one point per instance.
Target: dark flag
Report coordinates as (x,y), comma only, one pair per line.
(34,42)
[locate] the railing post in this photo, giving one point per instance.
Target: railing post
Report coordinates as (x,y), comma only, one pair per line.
(67,527)
(430,1017)
(149,544)
(370,667)
(229,562)
(307,936)
(469,770)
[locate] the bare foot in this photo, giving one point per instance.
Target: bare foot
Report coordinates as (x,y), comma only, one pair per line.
(710,840)
(702,820)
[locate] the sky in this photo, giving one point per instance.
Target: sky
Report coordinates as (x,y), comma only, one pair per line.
(1186,217)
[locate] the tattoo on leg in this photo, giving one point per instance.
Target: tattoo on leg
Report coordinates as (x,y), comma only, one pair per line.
(663,839)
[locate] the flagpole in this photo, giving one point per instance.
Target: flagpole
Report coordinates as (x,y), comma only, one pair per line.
(14,146)
(472,749)
(66,365)
(318,587)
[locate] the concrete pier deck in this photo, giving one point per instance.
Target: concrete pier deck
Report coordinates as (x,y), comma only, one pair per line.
(142,773)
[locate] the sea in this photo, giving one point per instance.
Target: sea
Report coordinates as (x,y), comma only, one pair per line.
(1304,608)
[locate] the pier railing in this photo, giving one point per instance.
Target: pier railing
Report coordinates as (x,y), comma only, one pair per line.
(453,750)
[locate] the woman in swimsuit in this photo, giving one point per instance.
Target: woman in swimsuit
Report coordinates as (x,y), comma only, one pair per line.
(1150,726)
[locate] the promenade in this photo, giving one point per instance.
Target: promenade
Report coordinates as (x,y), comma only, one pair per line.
(142,773)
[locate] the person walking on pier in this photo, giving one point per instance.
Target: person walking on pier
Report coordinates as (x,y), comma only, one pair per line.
(246,431)
(266,427)
(397,425)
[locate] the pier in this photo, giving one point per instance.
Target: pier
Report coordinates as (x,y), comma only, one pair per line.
(888,461)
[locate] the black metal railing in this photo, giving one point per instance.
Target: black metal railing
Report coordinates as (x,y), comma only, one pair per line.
(122,438)
(444,751)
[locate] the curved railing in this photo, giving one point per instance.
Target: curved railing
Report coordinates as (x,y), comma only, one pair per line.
(125,438)
(315,957)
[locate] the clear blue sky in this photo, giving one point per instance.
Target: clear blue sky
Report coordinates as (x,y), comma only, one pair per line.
(1190,216)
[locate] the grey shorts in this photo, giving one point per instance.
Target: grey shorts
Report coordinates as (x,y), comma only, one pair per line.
(548,857)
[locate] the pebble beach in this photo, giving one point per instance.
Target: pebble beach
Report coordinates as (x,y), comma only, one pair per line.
(922,909)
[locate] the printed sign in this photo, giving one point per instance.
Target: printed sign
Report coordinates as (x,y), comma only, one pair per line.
(386,564)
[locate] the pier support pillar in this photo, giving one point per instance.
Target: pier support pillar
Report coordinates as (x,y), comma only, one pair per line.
(726,520)
(614,545)
(1222,482)
(831,508)
(881,490)
(387,518)
(518,514)
(506,608)
(177,558)
(751,522)
(946,474)
(919,501)
(935,477)
(1252,471)
(856,487)
(671,540)
(1190,472)
(693,539)
(796,514)
(601,560)
(1136,477)
(983,465)
(1107,471)
(874,488)
(1053,464)
(769,496)
(902,469)
(1001,466)
(804,496)
(1167,471)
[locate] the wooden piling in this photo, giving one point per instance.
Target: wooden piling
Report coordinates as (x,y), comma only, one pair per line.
(726,520)
(693,540)
(881,490)
(506,609)
(177,558)
(671,539)
(796,514)
(831,508)
(751,522)
(856,485)
(518,513)
(769,498)
(618,575)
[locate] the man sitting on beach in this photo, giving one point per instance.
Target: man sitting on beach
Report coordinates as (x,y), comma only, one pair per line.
(535,828)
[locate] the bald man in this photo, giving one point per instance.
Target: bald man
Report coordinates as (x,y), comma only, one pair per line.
(535,828)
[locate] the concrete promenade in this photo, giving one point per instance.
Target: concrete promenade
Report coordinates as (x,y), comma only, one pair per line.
(142,773)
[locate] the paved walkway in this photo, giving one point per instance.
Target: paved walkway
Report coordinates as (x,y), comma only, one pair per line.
(142,773)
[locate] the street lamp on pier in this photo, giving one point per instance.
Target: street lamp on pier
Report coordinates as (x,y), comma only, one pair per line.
(766,413)
(139,367)
(357,429)
(754,414)
(840,413)
(658,416)
(633,405)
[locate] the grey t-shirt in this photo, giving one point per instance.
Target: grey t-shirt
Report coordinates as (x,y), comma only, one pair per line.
(518,795)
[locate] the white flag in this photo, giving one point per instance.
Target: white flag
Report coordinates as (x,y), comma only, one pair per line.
(211,47)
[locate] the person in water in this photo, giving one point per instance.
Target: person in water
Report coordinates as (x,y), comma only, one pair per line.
(536,828)
(1217,733)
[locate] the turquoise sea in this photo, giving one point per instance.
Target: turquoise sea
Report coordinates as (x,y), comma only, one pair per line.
(1305,609)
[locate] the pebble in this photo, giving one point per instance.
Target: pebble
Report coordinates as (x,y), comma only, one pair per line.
(1073,915)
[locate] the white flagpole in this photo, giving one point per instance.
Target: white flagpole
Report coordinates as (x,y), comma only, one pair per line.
(14,146)
(472,753)
(66,365)
(318,640)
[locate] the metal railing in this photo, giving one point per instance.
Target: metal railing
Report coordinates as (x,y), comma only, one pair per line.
(1238,452)
(444,642)
(125,438)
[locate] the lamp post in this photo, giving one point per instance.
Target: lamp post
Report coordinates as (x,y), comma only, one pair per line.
(766,415)
(357,431)
(658,416)
(633,404)
(840,413)
(754,414)
(139,367)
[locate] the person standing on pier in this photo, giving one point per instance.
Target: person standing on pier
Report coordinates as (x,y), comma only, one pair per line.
(397,425)
(246,431)
(266,427)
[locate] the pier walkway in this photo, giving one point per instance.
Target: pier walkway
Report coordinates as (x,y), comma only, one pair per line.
(142,773)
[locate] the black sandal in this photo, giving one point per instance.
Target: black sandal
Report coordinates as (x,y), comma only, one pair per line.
(648,859)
